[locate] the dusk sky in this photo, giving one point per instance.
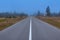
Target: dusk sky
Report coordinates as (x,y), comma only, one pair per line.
(29,6)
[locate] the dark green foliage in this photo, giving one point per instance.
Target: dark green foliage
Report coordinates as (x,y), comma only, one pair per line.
(38,13)
(23,14)
(12,15)
(48,11)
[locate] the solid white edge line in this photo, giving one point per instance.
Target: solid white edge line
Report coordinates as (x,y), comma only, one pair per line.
(30,31)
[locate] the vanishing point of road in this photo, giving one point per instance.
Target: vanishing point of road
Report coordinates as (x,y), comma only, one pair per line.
(30,29)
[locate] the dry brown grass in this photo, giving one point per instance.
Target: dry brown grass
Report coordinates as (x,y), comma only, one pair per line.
(52,20)
(6,22)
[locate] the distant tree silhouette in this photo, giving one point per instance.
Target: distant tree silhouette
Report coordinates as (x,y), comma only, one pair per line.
(23,14)
(38,13)
(12,15)
(59,13)
(48,11)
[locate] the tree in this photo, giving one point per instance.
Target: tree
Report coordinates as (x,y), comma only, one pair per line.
(23,14)
(38,13)
(48,11)
(59,13)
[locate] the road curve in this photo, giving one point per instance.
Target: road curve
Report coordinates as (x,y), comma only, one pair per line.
(44,31)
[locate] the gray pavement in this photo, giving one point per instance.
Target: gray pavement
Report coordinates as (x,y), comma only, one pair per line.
(30,28)
(44,31)
(18,31)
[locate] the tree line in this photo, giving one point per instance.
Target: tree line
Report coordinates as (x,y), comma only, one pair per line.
(12,15)
(48,13)
(15,14)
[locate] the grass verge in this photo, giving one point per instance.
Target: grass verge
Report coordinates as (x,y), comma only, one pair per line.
(51,20)
(6,22)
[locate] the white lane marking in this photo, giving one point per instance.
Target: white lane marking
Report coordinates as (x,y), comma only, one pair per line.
(30,31)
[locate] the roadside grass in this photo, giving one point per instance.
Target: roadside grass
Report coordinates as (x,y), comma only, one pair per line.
(51,20)
(57,24)
(6,22)
(4,26)
(2,20)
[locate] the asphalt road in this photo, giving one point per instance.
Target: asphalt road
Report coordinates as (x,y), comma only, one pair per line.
(44,31)
(30,29)
(18,31)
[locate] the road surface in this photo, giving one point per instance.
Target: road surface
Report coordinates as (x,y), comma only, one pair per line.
(44,31)
(18,31)
(30,29)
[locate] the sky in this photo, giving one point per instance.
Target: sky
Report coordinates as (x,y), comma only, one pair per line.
(29,6)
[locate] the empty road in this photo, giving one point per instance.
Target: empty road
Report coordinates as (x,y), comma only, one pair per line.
(44,31)
(30,29)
